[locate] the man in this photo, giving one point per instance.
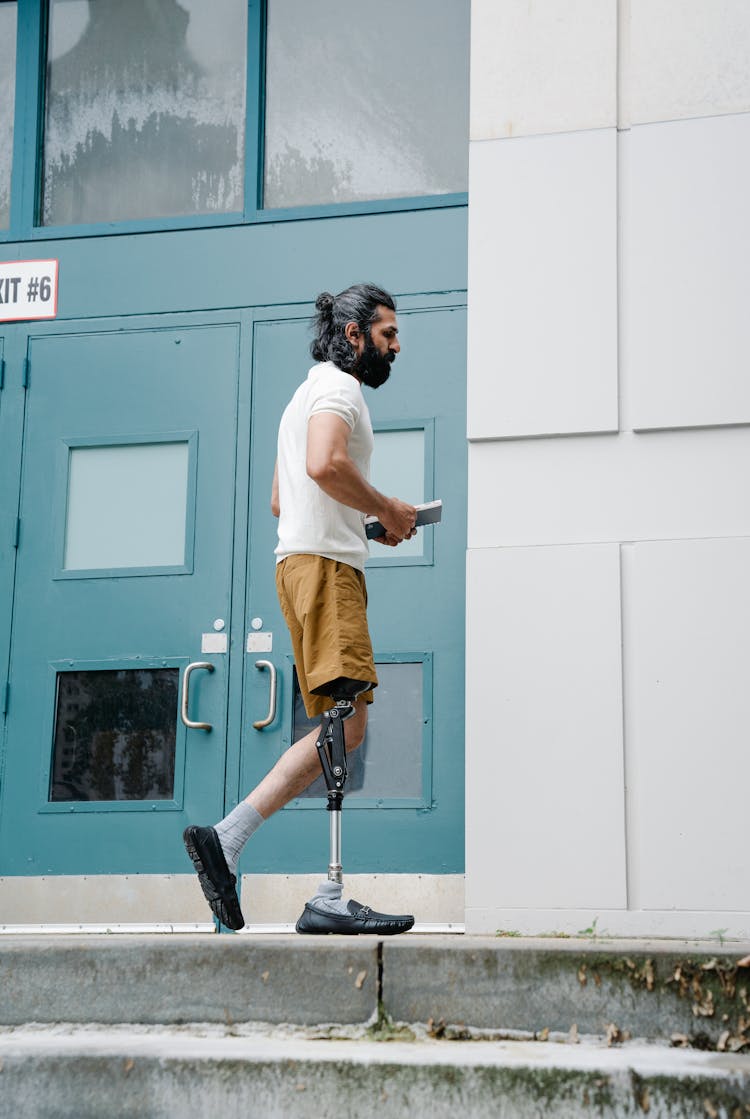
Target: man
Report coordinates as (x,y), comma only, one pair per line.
(320,494)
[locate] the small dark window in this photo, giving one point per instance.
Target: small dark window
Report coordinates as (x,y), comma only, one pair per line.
(116,741)
(388,764)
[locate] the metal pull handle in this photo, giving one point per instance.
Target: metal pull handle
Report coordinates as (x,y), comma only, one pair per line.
(272,697)
(186,694)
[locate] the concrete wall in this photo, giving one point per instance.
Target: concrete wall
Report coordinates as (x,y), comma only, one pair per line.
(608,626)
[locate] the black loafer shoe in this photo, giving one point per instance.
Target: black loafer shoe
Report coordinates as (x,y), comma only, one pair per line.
(359,919)
(217,882)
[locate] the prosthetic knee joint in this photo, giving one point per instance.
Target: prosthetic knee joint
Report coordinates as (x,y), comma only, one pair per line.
(331,747)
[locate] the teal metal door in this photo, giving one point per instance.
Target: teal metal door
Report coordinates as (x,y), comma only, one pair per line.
(123,579)
(404,805)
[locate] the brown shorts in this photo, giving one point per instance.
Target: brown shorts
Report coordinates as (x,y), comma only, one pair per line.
(324,603)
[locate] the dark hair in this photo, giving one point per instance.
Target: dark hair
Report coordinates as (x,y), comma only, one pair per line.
(358,304)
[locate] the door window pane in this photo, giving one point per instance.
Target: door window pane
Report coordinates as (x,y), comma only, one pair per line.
(389,761)
(8,15)
(127,506)
(365,101)
(145,109)
(115,735)
(397,469)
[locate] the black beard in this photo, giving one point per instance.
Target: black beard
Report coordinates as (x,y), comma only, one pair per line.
(373,368)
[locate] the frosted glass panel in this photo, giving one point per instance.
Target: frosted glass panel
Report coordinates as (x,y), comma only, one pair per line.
(389,761)
(145,109)
(397,470)
(365,101)
(8,16)
(115,735)
(127,506)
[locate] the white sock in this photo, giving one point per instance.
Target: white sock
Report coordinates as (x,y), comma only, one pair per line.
(329,899)
(235,830)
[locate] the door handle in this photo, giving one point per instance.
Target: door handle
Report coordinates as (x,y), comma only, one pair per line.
(191,668)
(272,696)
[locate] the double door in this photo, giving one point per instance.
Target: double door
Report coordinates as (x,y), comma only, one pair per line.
(149,673)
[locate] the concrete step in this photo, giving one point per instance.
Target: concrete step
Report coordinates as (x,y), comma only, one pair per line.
(647,989)
(699,991)
(188,1025)
(79,1073)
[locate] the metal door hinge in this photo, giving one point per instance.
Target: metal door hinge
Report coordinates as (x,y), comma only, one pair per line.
(2,372)
(16,533)
(26,372)
(4,696)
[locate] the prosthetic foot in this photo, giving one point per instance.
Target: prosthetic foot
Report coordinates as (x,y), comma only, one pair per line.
(328,912)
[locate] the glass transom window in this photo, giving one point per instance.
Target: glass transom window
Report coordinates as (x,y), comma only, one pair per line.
(145,109)
(365,101)
(191,113)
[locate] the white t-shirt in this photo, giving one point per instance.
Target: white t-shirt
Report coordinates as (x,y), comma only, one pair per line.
(311,521)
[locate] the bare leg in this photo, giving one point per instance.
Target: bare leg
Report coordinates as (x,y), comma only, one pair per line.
(300,765)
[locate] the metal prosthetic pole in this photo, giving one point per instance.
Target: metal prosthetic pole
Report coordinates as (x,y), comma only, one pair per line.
(332,752)
(335,869)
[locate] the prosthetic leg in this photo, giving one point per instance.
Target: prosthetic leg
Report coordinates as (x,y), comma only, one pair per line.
(327,912)
(332,753)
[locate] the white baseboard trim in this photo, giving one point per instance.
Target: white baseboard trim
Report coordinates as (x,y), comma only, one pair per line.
(174,902)
(279,899)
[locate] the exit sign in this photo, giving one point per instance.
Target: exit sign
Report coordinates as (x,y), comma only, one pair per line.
(28,290)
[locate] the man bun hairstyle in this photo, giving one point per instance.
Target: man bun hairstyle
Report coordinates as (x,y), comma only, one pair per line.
(324,304)
(358,304)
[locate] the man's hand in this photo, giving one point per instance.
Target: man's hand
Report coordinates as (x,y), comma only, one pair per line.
(398,519)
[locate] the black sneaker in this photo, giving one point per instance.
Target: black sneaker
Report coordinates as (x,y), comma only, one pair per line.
(359,919)
(217,881)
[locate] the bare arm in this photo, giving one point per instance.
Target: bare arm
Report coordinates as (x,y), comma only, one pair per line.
(275,507)
(331,467)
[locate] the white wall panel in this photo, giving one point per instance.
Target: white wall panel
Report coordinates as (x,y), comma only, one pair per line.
(542,348)
(542,67)
(656,485)
(545,807)
(686,273)
(687,632)
(688,58)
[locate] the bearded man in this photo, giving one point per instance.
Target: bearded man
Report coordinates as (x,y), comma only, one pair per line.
(321,494)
